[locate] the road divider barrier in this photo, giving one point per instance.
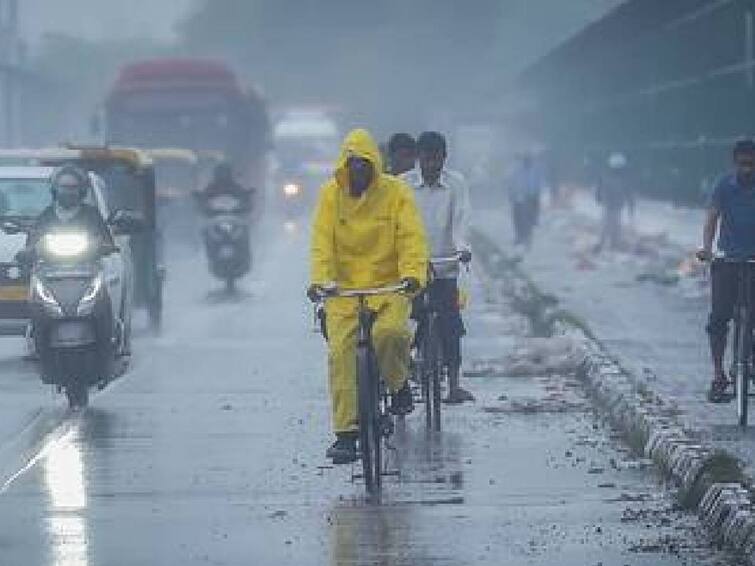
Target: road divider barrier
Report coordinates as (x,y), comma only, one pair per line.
(708,480)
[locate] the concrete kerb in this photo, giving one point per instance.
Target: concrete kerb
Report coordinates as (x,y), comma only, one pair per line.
(708,480)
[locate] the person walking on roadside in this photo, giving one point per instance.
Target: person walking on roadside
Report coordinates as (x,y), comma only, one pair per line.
(524,185)
(614,194)
(732,215)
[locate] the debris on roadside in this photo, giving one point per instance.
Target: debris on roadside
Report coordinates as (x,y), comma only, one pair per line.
(559,355)
(533,406)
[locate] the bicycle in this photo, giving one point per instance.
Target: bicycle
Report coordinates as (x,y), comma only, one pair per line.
(430,364)
(375,419)
(742,367)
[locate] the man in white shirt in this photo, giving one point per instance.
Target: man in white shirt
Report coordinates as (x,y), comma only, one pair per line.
(442,196)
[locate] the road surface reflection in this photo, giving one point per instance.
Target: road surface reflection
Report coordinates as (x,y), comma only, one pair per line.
(65,483)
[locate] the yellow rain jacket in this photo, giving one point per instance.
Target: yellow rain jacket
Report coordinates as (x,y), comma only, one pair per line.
(369,241)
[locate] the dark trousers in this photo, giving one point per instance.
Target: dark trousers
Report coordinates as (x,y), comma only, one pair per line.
(444,298)
(724,294)
(525,215)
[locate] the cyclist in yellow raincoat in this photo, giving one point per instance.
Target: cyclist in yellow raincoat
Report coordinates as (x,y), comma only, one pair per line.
(367,232)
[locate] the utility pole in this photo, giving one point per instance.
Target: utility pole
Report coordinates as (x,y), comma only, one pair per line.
(749,50)
(9,59)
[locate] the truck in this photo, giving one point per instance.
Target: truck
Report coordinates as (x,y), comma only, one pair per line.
(192,103)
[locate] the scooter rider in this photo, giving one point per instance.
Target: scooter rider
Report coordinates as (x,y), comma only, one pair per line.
(70,186)
(443,198)
(223,182)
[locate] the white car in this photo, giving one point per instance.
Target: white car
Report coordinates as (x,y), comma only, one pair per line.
(24,193)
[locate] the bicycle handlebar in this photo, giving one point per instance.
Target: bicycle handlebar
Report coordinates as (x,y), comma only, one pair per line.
(333,292)
(724,259)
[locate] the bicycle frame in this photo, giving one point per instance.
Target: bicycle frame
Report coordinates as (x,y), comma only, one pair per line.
(432,359)
(741,369)
(431,365)
(375,422)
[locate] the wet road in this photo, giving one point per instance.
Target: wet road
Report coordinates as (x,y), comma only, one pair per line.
(210,451)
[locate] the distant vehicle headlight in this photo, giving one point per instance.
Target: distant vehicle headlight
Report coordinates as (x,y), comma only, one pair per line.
(66,245)
(291,189)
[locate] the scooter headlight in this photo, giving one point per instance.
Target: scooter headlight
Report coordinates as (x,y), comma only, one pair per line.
(291,190)
(89,298)
(42,295)
(66,245)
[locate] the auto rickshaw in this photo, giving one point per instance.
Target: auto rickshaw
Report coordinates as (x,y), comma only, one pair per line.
(130,178)
(177,176)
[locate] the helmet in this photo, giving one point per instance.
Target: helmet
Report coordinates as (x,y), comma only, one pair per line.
(617,160)
(71,177)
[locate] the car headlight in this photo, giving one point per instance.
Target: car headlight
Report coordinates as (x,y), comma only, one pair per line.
(66,245)
(89,298)
(41,294)
(291,189)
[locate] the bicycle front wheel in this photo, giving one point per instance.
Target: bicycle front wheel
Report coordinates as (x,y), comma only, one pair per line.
(367,420)
(744,369)
(743,396)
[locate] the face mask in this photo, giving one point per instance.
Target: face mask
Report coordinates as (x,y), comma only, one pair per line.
(360,175)
(68,199)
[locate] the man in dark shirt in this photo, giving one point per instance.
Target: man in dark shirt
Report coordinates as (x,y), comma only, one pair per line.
(614,194)
(732,214)
(70,186)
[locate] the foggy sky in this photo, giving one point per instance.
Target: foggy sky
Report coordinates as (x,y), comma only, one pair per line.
(98,19)
(545,21)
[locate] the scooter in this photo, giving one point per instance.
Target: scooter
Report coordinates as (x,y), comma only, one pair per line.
(79,328)
(227,236)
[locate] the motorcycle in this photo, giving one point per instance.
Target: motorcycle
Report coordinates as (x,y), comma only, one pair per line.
(227,236)
(79,319)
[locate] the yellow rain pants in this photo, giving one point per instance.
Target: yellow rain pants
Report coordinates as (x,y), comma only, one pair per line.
(391,339)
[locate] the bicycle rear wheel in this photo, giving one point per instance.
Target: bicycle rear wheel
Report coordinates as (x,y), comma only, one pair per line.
(368,437)
(436,385)
(435,355)
(426,374)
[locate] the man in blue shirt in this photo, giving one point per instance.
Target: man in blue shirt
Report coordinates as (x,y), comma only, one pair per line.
(524,186)
(732,214)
